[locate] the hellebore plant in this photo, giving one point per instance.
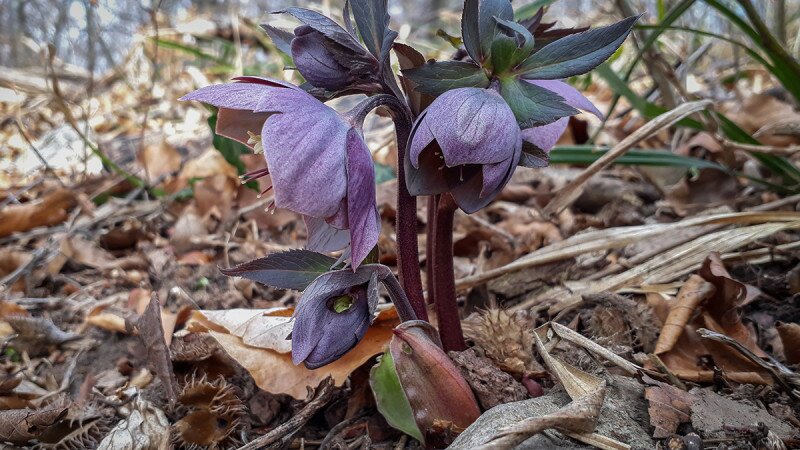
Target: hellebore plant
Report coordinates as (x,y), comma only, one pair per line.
(463,126)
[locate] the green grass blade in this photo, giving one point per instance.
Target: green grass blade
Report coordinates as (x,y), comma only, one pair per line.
(527,11)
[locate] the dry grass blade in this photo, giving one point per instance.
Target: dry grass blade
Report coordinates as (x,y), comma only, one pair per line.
(569,335)
(615,238)
(572,191)
(675,263)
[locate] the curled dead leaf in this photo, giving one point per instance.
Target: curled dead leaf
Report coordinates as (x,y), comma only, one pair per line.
(790,336)
(49,210)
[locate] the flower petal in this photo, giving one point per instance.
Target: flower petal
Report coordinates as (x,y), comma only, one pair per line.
(362,210)
(473,126)
(304,147)
(324,238)
(428,178)
(421,137)
(244,96)
(572,96)
(545,137)
(235,123)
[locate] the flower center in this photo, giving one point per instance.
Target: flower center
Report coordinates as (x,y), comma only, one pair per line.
(255,175)
(340,304)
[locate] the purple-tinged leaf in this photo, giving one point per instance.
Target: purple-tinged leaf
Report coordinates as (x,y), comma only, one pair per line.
(409,58)
(372,21)
(479,27)
(292,269)
(436,78)
(280,37)
(390,399)
(576,54)
(533,156)
(571,96)
(326,26)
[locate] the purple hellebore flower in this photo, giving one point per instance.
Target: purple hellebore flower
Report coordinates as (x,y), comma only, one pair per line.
(333,314)
(468,142)
(317,159)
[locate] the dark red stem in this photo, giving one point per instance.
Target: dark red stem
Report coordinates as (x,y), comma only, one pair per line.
(444,279)
(406,227)
(433,202)
(406,223)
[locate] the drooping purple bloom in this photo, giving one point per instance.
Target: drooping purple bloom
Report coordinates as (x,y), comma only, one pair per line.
(467,142)
(318,162)
(333,315)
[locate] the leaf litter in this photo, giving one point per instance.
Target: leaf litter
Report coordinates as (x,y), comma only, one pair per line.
(614,306)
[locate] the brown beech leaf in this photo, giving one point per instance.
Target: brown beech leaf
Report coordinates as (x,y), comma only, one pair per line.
(790,336)
(47,211)
(36,334)
(681,348)
(274,371)
(668,407)
(22,425)
(691,295)
(151,331)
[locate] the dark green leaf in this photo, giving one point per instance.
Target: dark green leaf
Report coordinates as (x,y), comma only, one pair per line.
(372,22)
(390,398)
(533,105)
(437,77)
(587,154)
(479,27)
(292,269)
(512,47)
(576,54)
(531,9)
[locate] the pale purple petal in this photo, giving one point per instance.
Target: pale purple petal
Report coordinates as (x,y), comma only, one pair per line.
(495,176)
(572,96)
(325,238)
(339,219)
(362,211)
(421,137)
(545,137)
(304,148)
(244,96)
(235,123)
(473,126)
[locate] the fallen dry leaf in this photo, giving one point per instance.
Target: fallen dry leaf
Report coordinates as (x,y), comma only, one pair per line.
(266,328)
(668,407)
(710,300)
(790,337)
(49,210)
(152,333)
(22,425)
(274,372)
(159,161)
